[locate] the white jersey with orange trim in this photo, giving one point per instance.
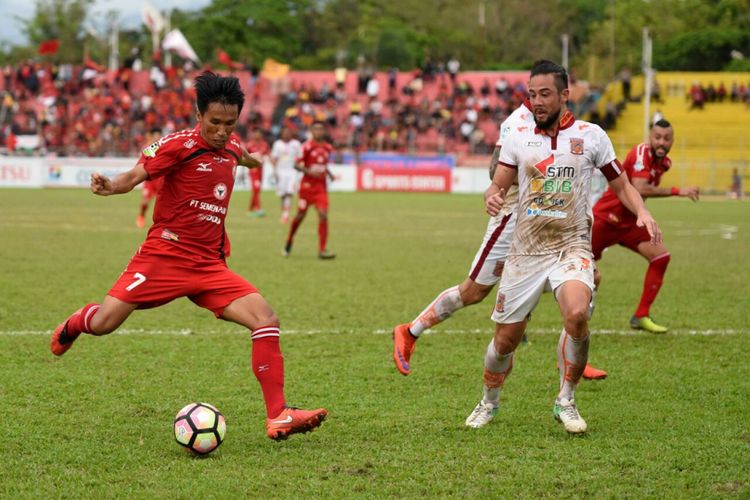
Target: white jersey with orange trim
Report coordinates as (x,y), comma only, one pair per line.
(488,261)
(554,179)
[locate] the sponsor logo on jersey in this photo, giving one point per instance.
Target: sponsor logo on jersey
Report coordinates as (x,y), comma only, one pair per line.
(219,159)
(189,143)
(166,234)
(521,129)
(576,146)
(555,214)
(534,144)
(220,191)
(204,167)
(151,150)
(504,132)
(234,142)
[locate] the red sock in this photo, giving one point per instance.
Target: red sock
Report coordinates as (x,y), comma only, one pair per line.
(293,229)
(80,321)
(322,234)
(651,285)
(255,201)
(268,367)
(144,207)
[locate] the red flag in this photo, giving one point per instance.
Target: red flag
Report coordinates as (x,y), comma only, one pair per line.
(225,59)
(49,47)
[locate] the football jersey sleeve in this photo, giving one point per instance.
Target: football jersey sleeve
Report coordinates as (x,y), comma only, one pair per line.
(160,158)
(509,153)
(641,162)
(505,128)
(276,150)
(604,156)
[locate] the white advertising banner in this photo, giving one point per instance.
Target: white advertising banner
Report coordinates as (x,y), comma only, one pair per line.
(21,172)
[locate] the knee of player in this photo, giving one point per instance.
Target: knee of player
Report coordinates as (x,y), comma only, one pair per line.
(578,315)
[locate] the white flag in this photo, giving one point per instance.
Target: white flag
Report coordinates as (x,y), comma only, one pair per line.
(152,18)
(175,40)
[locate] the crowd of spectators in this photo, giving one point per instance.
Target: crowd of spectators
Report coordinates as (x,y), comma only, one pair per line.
(86,111)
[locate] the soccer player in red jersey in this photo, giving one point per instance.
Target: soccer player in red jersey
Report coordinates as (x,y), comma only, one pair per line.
(313,190)
(150,187)
(185,252)
(256,144)
(615,224)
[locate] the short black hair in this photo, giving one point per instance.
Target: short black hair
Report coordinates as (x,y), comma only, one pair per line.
(210,87)
(545,67)
(662,123)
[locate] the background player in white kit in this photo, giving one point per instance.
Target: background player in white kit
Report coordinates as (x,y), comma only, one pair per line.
(284,154)
(551,246)
(486,269)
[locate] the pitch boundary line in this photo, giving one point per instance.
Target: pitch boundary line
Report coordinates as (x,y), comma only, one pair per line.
(381,331)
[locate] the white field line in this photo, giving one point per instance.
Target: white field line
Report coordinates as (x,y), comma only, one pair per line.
(447,331)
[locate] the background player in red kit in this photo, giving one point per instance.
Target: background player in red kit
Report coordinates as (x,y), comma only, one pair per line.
(256,144)
(185,250)
(150,187)
(313,189)
(615,224)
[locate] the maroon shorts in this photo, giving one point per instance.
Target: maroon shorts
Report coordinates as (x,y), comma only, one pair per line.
(153,280)
(604,235)
(313,195)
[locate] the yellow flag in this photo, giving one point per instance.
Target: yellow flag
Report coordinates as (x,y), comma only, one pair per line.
(273,70)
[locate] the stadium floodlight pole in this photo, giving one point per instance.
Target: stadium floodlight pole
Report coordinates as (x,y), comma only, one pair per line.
(648,77)
(114,47)
(565,40)
(167,29)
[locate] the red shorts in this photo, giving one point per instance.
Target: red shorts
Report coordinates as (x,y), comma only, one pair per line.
(313,195)
(604,235)
(149,189)
(153,280)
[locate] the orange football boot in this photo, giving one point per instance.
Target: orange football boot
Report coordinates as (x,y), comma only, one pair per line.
(403,347)
(293,420)
(591,373)
(61,341)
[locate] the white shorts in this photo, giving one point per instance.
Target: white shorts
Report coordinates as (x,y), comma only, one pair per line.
(490,258)
(286,182)
(526,277)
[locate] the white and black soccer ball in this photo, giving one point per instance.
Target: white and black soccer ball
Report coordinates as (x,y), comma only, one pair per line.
(200,428)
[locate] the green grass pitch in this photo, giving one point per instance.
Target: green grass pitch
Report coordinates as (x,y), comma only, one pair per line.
(670,421)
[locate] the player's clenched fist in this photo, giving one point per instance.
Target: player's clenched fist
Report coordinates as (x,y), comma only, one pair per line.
(494,202)
(100,184)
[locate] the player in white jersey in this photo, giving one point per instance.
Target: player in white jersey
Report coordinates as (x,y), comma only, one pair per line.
(553,163)
(485,270)
(284,154)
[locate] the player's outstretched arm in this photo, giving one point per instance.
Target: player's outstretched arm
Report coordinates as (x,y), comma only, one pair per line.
(632,200)
(122,183)
(250,160)
(648,190)
(494,196)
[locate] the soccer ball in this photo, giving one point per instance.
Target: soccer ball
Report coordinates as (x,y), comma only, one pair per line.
(200,428)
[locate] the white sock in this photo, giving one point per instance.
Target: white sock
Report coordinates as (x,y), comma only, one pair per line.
(448,302)
(496,369)
(572,356)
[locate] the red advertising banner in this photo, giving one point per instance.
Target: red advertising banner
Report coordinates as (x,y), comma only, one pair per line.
(428,180)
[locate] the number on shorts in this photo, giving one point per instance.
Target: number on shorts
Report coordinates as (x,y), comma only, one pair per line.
(139,278)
